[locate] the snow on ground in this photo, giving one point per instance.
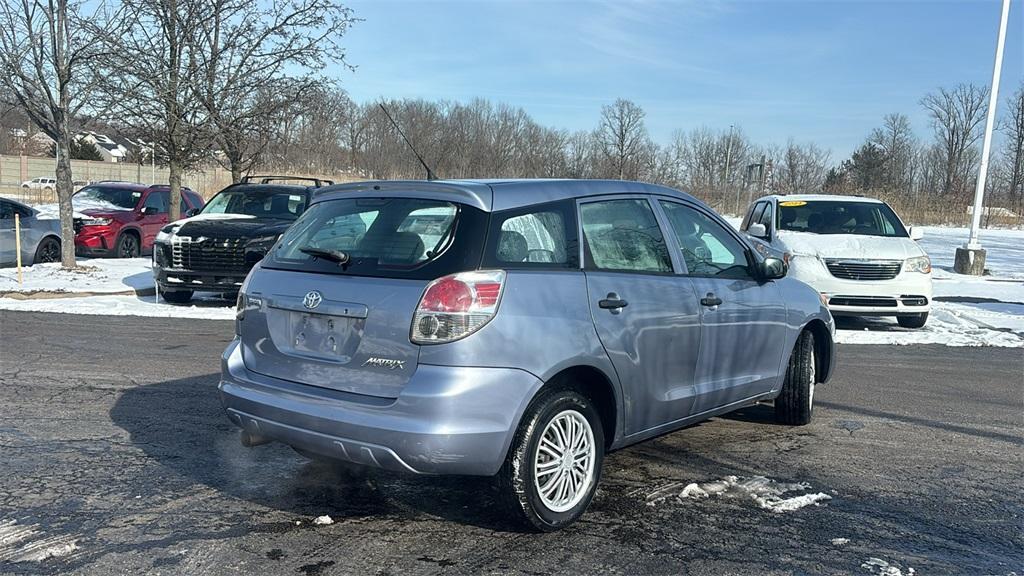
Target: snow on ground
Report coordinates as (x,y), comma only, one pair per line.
(97,275)
(879,566)
(25,543)
(206,307)
(763,491)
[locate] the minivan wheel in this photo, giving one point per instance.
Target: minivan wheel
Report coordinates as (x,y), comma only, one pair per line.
(178,296)
(913,321)
(795,403)
(554,464)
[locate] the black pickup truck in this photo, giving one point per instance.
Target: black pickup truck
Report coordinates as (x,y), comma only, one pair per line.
(214,248)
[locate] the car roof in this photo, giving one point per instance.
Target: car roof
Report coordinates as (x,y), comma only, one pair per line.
(820,198)
(17,203)
(293,188)
(499,194)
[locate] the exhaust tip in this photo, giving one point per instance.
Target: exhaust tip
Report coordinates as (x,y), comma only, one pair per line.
(249,440)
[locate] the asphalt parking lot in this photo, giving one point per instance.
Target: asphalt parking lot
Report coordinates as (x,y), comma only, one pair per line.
(116,456)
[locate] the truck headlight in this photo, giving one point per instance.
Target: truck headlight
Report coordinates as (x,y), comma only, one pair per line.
(165,234)
(922,264)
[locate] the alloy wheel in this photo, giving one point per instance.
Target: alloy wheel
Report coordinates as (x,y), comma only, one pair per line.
(564,461)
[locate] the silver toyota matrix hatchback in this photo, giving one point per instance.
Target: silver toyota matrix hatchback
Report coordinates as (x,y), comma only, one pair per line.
(518,329)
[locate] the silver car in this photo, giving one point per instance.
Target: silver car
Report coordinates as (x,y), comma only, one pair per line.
(40,237)
(518,329)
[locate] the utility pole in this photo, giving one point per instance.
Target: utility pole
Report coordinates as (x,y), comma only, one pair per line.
(970,259)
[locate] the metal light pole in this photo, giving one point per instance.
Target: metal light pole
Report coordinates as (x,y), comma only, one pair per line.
(971,258)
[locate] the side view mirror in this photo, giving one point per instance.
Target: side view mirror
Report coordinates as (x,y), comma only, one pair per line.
(149,210)
(191,212)
(773,268)
(916,232)
(757,230)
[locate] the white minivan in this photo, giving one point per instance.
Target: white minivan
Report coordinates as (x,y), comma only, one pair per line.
(853,250)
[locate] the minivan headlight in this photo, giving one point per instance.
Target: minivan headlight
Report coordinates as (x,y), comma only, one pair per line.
(922,264)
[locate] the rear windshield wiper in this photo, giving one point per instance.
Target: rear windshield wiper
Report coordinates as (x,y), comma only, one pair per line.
(327,254)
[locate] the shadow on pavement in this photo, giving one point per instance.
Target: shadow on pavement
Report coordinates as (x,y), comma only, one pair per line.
(180,425)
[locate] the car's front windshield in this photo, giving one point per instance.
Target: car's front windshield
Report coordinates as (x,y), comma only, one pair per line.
(282,205)
(106,198)
(840,217)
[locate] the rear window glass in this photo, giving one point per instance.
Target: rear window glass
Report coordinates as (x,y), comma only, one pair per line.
(542,236)
(393,237)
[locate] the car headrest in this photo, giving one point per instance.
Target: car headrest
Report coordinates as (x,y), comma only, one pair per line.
(512,247)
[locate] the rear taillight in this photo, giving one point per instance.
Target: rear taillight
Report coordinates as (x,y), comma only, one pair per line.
(455,306)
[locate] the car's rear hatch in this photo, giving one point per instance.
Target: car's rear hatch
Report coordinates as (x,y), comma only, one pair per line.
(345,326)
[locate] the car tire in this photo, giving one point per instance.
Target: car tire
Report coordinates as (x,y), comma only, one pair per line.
(48,250)
(795,403)
(566,485)
(915,321)
(127,246)
(178,296)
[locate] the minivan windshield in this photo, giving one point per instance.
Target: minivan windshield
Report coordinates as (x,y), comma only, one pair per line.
(106,198)
(840,217)
(261,203)
(381,237)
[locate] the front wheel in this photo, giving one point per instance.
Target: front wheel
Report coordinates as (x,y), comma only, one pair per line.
(128,246)
(795,403)
(554,464)
(914,321)
(47,251)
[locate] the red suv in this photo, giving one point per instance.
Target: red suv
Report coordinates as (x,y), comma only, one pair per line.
(121,219)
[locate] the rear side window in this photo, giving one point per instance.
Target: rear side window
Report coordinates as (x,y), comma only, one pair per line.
(389,237)
(623,235)
(541,236)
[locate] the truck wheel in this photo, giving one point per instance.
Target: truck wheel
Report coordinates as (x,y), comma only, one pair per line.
(795,403)
(127,246)
(554,464)
(47,251)
(915,321)
(178,296)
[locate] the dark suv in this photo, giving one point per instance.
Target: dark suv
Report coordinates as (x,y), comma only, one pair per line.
(215,248)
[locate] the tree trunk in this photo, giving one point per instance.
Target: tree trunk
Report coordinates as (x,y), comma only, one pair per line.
(65,190)
(174,210)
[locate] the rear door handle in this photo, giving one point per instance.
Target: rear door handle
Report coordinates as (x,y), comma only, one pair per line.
(612,302)
(710,300)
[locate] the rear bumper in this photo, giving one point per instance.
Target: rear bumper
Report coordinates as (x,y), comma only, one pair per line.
(447,420)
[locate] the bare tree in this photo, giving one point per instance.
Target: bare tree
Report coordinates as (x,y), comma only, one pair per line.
(895,139)
(622,137)
(799,168)
(47,52)
(957,115)
(1013,151)
(153,80)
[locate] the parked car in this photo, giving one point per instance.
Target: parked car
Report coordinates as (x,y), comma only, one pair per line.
(549,322)
(40,183)
(854,250)
(215,248)
(121,219)
(40,237)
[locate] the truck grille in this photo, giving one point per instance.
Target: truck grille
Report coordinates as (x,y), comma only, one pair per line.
(213,254)
(864,269)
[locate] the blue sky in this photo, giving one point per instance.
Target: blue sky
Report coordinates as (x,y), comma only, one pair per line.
(822,71)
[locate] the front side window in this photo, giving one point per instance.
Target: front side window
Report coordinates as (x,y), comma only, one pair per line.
(766,216)
(106,198)
(393,237)
(754,215)
(708,248)
(840,217)
(623,235)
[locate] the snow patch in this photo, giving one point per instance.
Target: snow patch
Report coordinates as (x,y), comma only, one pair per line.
(97,275)
(209,307)
(879,566)
(765,492)
(840,541)
(324,520)
(20,543)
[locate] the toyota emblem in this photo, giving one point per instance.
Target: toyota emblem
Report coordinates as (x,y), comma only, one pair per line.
(312,299)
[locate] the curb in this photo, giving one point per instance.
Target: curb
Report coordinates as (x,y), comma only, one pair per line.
(50,295)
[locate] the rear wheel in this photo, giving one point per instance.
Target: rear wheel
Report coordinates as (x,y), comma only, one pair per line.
(914,321)
(127,246)
(47,251)
(178,296)
(795,403)
(554,464)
